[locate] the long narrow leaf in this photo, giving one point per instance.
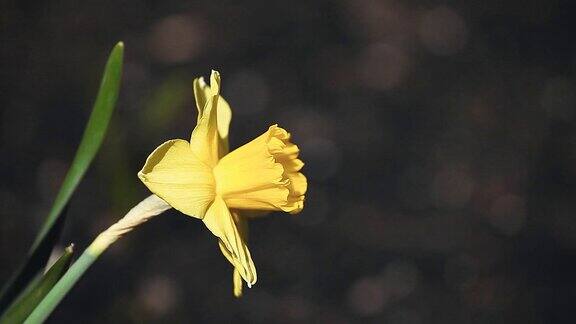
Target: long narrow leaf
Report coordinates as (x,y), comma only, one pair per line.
(61,288)
(89,145)
(27,302)
(35,262)
(92,138)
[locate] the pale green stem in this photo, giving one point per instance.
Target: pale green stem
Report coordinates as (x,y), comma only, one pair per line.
(141,213)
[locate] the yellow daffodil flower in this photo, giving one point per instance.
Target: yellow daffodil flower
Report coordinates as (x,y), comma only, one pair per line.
(201,179)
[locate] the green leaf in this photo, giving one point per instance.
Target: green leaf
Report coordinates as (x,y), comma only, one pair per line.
(35,262)
(27,302)
(61,288)
(89,145)
(92,138)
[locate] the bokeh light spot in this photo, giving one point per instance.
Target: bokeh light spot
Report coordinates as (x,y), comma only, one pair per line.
(442,31)
(177,38)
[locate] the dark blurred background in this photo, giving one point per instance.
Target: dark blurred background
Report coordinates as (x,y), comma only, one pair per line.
(438,137)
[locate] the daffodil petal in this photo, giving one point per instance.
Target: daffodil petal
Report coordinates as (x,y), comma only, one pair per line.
(209,140)
(204,141)
(224,118)
(237,282)
(221,223)
(224,112)
(215,82)
(202,92)
(242,225)
(176,175)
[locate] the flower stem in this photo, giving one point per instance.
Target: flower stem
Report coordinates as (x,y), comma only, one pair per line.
(141,213)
